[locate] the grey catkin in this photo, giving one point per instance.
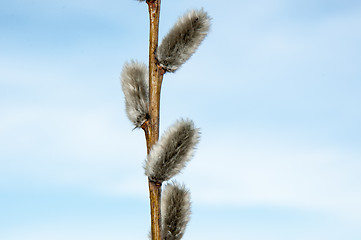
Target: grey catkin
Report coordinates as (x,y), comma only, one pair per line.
(171,153)
(176,210)
(183,39)
(134,79)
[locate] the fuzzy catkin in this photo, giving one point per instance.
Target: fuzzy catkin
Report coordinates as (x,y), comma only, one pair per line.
(171,153)
(134,79)
(176,210)
(183,39)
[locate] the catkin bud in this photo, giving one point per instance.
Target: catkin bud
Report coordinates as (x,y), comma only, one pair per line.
(176,210)
(183,39)
(171,153)
(134,79)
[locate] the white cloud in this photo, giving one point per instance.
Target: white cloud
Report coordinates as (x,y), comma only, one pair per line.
(91,148)
(244,169)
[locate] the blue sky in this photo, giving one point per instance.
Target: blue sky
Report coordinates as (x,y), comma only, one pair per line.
(275,88)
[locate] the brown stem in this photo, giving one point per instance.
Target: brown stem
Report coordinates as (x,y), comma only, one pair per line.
(155,79)
(155,189)
(151,127)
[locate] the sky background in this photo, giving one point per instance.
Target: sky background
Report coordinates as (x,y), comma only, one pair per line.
(275,89)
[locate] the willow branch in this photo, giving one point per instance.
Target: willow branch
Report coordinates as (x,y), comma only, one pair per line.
(151,127)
